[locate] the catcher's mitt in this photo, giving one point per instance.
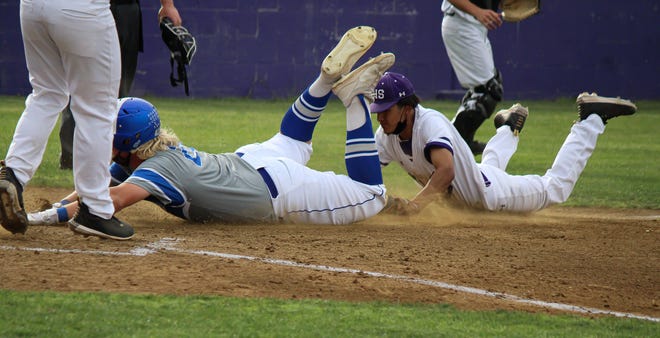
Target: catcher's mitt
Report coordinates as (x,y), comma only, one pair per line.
(400,206)
(182,46)
(517,10)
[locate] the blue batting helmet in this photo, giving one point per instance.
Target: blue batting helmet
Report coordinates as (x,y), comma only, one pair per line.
(137,123)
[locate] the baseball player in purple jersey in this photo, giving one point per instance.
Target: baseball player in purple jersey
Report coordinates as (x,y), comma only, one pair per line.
(427,146)
(261,182)
(71,51)
(465,34)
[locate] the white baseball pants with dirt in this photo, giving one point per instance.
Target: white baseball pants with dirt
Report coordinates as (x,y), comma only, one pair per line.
(469,50)
(309,196)
(525,193)
(71,50)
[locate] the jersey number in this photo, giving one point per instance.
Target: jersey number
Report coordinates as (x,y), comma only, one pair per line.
(191,154)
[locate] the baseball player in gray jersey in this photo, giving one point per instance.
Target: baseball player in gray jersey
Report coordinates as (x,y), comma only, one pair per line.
(261,182)
(431,150)
(71,50)
(465,34)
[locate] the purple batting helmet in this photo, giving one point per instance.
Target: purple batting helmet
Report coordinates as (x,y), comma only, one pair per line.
(391,88)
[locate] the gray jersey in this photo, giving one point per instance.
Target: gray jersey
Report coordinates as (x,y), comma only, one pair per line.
(203,187)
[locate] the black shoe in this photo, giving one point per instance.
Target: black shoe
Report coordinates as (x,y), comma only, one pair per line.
(66,161)
(87,224)
(477,147)
(12,212)
(605,107)
(513,117)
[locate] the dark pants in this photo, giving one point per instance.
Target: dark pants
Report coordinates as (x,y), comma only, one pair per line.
(128,19)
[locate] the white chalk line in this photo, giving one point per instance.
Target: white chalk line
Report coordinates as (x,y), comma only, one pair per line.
(168,244)
(625,218)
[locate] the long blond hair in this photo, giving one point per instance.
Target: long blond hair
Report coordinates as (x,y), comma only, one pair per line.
(163,141)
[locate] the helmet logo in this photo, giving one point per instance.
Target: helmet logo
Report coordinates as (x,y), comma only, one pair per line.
(138,141)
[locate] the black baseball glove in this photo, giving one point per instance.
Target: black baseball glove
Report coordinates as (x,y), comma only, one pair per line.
(182,46)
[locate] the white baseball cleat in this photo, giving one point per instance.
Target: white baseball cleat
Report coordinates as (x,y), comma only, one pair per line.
(355,42)
(363,79)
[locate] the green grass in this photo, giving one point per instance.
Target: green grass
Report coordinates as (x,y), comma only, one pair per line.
(623,172)
(50,314)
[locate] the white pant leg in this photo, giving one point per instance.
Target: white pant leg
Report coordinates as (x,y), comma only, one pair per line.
(534,192)
(277,146)
(572,158)
(500,148)
(313,197)
(309,196)
(469,50)
(86,58)
(91,56)
(49,93)
(513,192)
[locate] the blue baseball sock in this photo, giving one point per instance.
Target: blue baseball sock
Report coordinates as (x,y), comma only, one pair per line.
(301,118)
(361,155)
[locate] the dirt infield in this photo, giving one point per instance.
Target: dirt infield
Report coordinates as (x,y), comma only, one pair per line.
(589,259)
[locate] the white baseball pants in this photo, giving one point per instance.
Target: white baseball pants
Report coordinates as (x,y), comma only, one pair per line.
(526,193)
(469,50)
(71,50)
(307,195)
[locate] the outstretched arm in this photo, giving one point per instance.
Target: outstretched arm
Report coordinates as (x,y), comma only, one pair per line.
(127,194)
(435,188)
(123,195)
(443,161)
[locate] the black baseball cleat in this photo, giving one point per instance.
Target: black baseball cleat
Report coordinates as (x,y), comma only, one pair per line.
(605,107)
(88,224)
(12,213)
(513,117)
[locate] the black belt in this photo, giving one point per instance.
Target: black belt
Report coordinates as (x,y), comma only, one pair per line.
(267,179)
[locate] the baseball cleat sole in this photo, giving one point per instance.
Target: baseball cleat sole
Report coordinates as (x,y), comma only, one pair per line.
(363,79)
(514,117)
(355,42)
(605,107)
(82,230)
(12,215)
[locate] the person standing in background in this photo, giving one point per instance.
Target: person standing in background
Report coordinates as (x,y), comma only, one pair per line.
(465,29)
(72,53)
(128,19)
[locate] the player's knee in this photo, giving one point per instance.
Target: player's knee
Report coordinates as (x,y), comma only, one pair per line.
(480,101)
(557,192)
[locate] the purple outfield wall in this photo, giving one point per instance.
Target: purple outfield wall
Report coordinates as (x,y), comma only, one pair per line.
(273,48)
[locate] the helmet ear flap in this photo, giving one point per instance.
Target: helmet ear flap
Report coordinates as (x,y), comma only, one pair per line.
(137,123)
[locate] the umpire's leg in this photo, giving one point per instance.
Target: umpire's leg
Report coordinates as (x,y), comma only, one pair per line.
(67,126)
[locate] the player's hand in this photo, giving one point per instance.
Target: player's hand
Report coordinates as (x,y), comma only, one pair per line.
(400,206)
(490,19)
(168,10)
